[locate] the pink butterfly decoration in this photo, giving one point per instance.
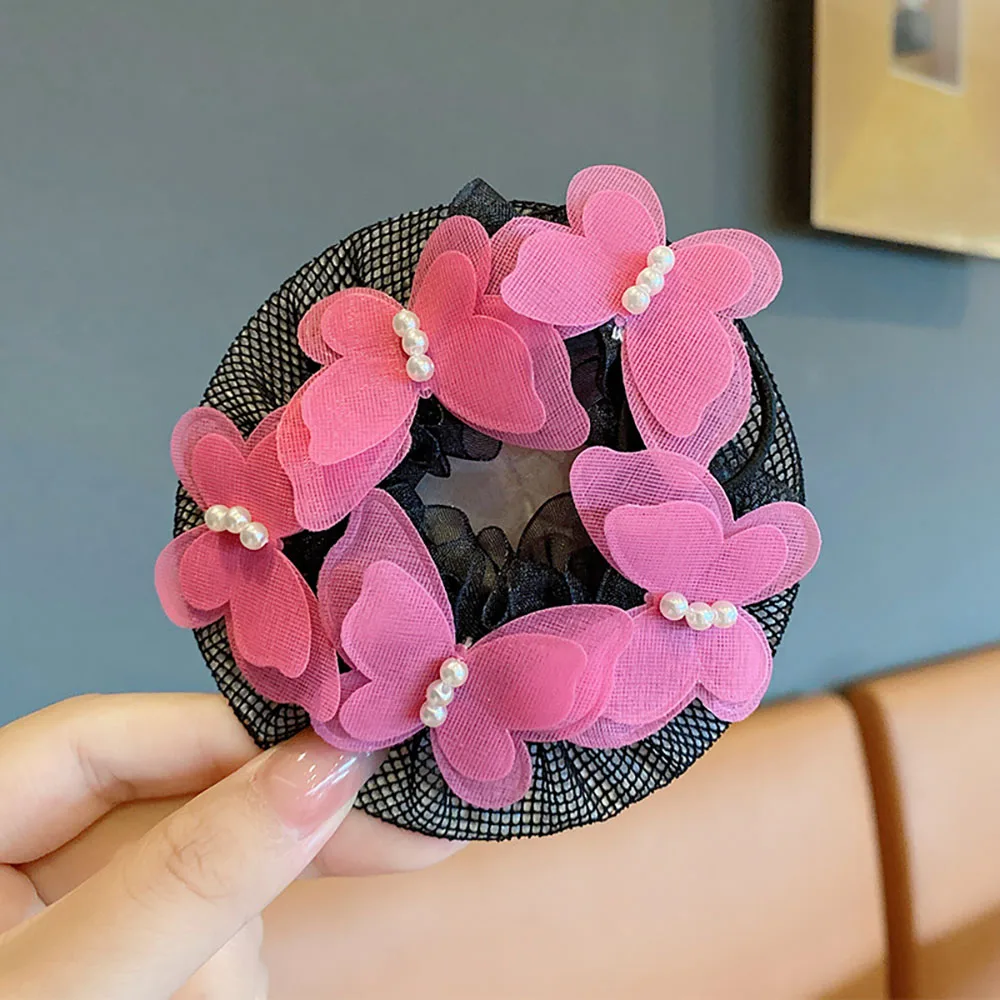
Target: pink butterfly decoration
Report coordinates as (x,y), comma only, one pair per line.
(503,374)
(542,677)
(664,523)
(684,364)
(215,570)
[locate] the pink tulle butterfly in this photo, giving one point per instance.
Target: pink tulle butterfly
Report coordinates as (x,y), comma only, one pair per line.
(542,677)
(664,523)
(686,371)
(501,373)
(218,570)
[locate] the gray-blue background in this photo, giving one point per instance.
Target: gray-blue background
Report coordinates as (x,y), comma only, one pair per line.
(163,167)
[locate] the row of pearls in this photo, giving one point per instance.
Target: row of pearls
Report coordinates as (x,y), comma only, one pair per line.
(414,342)
(698,615)
(636,298)
(454,673)
(237,521)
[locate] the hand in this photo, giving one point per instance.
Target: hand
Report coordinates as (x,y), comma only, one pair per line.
(184,899)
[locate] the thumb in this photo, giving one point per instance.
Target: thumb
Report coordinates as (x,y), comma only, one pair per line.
(145,923)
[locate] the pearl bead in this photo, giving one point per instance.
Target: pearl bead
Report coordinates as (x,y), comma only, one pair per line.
(700,616)
(454,672)
(725,614)
(420,368)
(236,519)
(673,606)
(433,715)
(439,693)
(415,342)
(404,321)
(215,517)
(650,279)
(253,536)
(661,259)
(635,300)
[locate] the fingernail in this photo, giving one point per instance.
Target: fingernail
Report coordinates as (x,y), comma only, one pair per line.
(306,781)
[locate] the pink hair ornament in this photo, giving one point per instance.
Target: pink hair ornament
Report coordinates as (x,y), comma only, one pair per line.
(532,677)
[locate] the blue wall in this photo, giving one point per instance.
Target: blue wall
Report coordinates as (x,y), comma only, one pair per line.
(164,166)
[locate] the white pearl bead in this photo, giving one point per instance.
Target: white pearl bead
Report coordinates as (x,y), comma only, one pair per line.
(661,259)
(673,606)
(415,342)
(454,672)
(236,519)
(635,300)
(404,321)
(439,693)
(253,536)
(433,715)
(650,279)
(700,616)
(420,368)
(215,517)
(726,614)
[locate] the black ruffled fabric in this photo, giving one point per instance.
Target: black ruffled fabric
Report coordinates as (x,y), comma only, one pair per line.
(489,579)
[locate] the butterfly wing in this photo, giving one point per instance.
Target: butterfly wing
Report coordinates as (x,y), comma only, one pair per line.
(748,564)
(592,180)
(336,735)
(168,583)
(678,359)
(565,279)
(666,547)
(460,234)
(325,494)
(734,668)
(567,424)
(802,543)
(497,794)
(483,369)
(311,334)
(678,355)
(720,420)
(506,245)
(193,426)
(602,479)
(378,530)
(207,571)
(269,496)
(355,404)
(362,397)
(655,676)
(269,612)
(397,636)
(761,258)
(516,682)
(602,632)
(316,689)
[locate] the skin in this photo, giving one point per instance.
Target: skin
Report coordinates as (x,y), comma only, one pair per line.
(141,836)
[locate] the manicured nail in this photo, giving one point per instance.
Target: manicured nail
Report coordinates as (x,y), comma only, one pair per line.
(306,781)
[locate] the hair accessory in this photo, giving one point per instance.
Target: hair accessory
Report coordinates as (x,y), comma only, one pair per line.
(543,677)
(664,523)
(522,685)
(685,369)
(232,566)
(500,373)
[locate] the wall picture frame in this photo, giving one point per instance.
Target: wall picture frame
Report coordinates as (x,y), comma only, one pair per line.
(906,122)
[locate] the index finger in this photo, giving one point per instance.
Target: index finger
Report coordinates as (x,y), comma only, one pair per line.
(66,766)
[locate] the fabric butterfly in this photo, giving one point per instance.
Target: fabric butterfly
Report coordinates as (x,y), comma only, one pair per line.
(684,364)
(503,374)
(542,677)
(664,523)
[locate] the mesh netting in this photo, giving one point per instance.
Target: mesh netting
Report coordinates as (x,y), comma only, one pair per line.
(489,580)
